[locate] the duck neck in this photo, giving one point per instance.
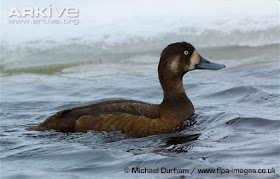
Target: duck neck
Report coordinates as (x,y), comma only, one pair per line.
(176,106)
(172,86)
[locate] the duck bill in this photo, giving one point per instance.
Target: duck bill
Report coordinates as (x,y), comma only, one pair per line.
(205,64)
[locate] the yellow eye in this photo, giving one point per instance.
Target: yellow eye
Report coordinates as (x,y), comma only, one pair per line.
(186,52)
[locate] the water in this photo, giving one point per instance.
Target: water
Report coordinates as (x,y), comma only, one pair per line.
(237,108)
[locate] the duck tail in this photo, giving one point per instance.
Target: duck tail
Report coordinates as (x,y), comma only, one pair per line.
(37,128)
(41,127)
(55,123)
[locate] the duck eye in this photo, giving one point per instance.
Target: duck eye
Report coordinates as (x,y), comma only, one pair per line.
(186,52)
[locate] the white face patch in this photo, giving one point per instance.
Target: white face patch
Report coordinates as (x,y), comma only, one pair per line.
(194,60)
(174,64)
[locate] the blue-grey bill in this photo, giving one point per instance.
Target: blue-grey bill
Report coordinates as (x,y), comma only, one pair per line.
(205,64)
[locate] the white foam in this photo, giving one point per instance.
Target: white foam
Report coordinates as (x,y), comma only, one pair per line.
(124,21)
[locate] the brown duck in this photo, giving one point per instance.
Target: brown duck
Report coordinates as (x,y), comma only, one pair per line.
(138,118)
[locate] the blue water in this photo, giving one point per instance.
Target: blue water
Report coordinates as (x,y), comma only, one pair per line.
(237,114)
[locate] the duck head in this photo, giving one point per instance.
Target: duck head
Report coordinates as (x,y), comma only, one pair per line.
(181,57)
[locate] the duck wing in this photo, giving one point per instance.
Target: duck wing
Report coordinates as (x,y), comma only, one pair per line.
(133,117)
(116,107)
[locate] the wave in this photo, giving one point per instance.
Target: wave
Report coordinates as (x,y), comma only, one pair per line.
(251,122)
(73,58)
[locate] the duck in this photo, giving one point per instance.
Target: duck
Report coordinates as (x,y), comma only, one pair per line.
(137,118)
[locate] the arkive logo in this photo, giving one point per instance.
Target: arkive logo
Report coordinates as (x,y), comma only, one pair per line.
(46,12)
